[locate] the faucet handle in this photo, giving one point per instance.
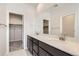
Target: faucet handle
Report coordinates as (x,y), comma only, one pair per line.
(62,37)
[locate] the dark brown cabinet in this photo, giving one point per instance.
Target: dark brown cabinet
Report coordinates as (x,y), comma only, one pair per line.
(42,52)
(38,48)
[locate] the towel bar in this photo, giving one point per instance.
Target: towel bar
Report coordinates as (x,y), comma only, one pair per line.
(3,25)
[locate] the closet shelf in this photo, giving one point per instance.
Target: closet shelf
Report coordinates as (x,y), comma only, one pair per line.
(15,24)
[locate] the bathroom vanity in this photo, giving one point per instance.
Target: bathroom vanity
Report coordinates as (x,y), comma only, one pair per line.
(45,46)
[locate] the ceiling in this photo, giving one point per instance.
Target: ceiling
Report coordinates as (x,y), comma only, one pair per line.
(40,7)
(33,4)
(44,6)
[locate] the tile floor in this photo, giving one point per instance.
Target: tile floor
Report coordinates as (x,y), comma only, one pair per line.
(15,45)
(15,49)
(21,52)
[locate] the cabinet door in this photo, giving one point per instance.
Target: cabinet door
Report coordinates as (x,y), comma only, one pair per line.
(43,52)
(35,47)
(35,41)
(29,44)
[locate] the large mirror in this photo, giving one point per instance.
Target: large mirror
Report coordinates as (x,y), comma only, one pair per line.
(68,25)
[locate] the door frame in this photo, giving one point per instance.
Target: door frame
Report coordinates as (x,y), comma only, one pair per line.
(7,44)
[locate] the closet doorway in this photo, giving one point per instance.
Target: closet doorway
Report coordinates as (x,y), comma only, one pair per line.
(15,32)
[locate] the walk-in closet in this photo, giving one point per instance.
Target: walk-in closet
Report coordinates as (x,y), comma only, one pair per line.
(15,32)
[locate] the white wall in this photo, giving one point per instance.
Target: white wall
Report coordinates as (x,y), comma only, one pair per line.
(29,22)
(2,29)
(77,25)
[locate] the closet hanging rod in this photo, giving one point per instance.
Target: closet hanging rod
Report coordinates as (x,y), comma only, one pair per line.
(3,25)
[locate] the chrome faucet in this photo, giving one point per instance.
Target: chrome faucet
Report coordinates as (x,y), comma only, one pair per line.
(37,33)
(62,37)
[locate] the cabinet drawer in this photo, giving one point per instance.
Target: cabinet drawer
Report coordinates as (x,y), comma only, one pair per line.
(43,52)
(35,41)
(53,50)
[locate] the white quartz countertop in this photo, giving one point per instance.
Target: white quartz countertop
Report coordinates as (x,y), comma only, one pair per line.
(69,46)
